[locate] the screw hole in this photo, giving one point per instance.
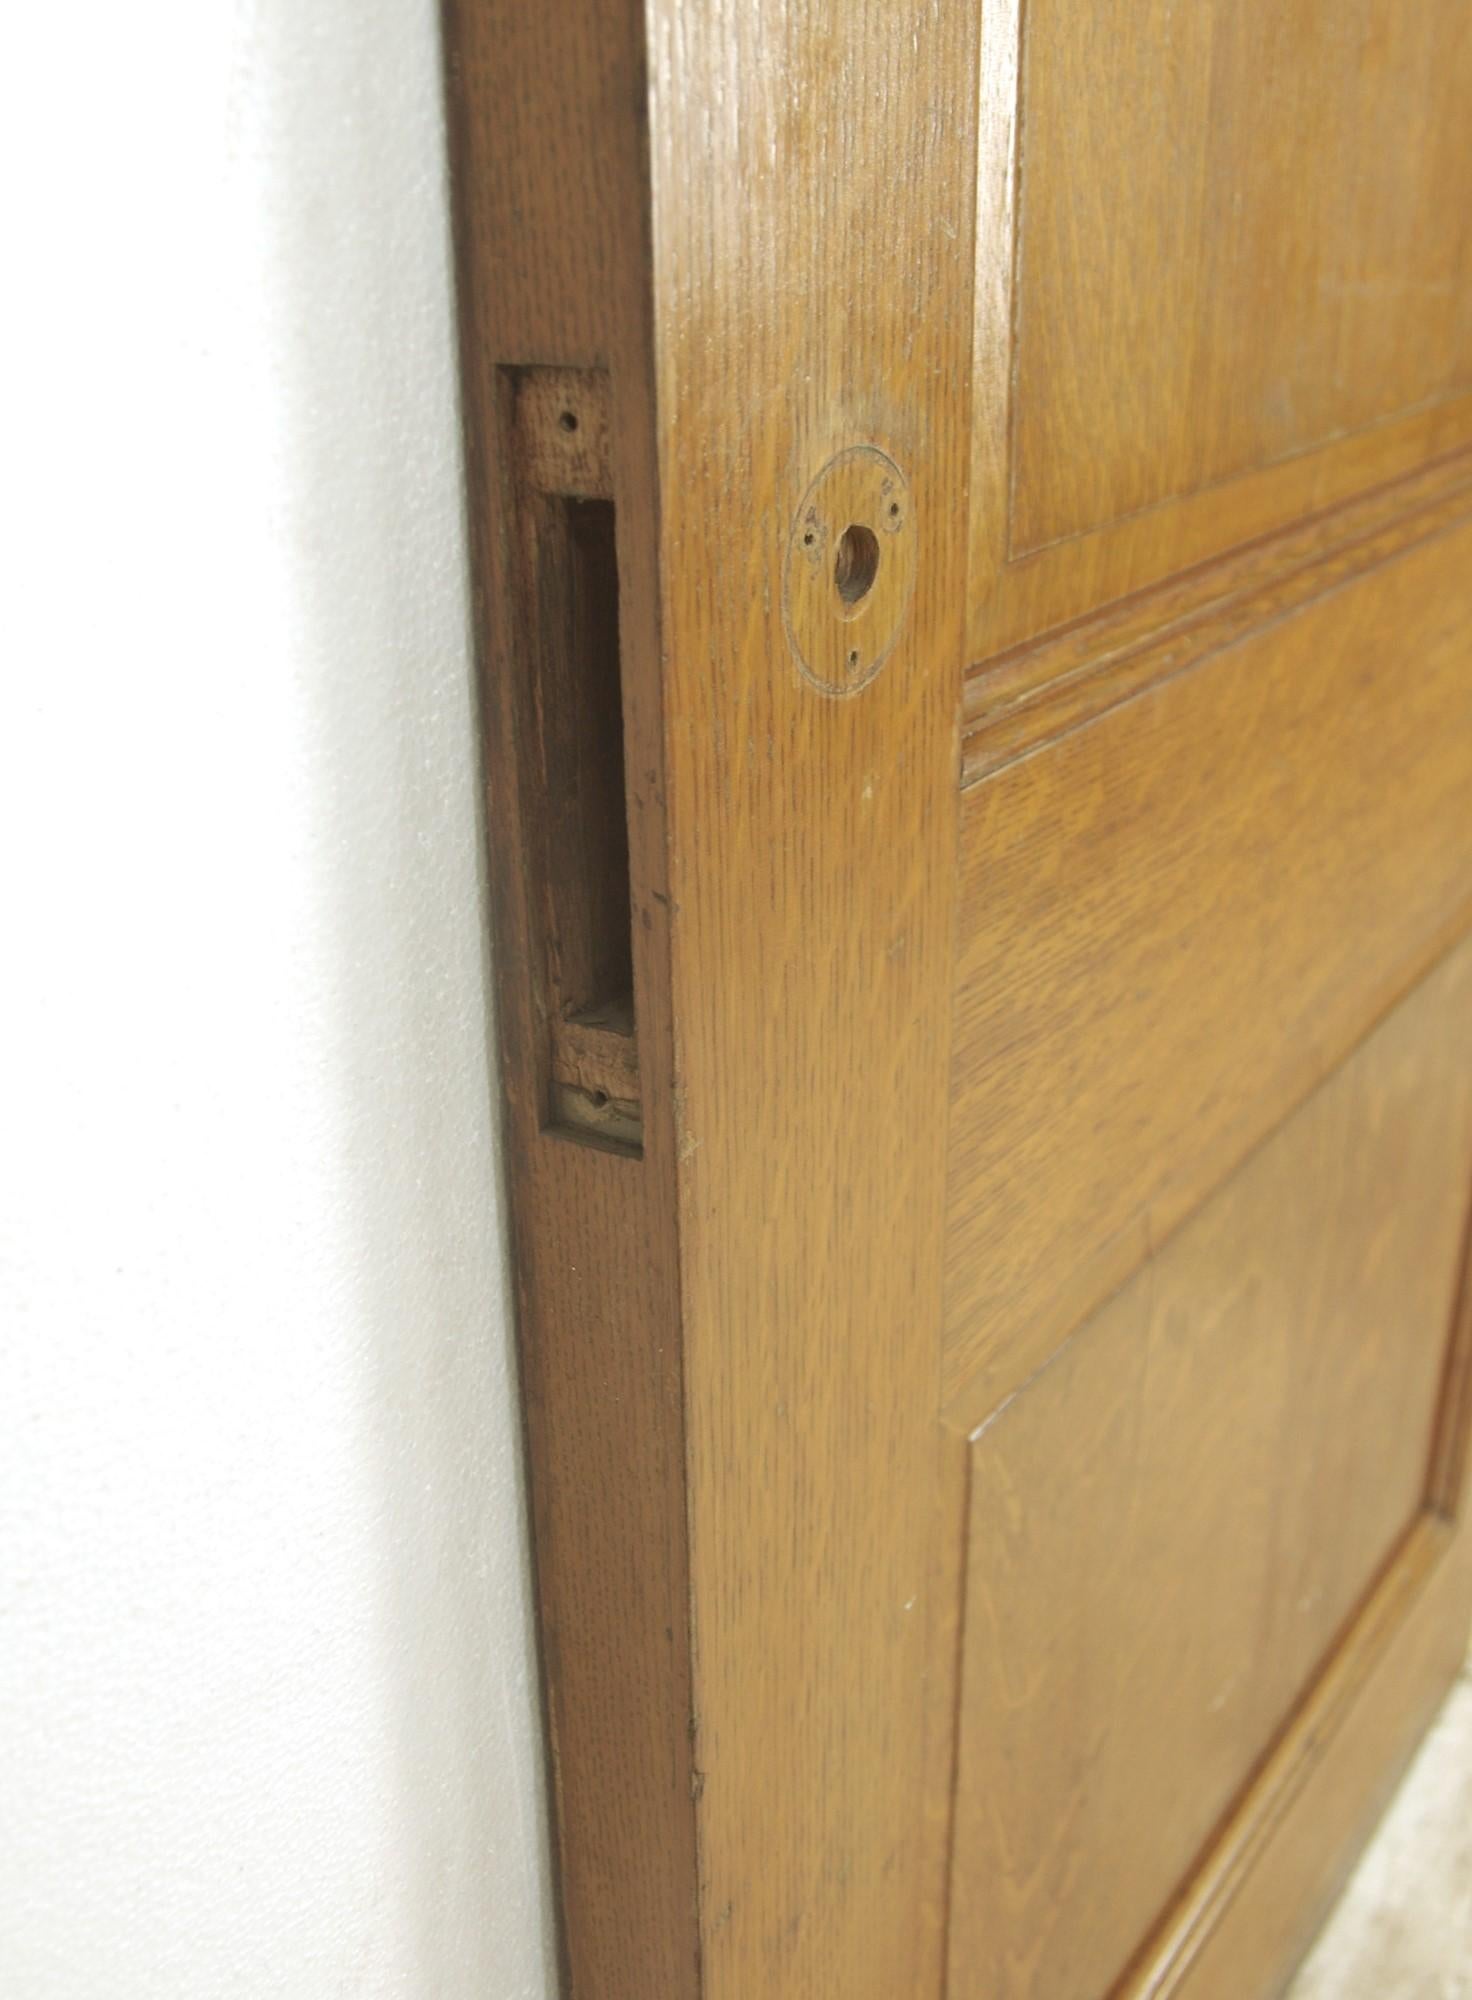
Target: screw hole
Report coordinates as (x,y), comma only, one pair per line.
(857,562)
(598,1099)
(568,420)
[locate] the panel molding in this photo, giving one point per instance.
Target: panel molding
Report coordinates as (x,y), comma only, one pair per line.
(1353,1715)
(1325,1715)
(1238,1850)
(1033,694)
(1022,584)
(981,1393)
(1256,856)
(1446,399)
(1447,1490)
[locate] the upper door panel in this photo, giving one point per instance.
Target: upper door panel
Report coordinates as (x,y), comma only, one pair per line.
(1291,161)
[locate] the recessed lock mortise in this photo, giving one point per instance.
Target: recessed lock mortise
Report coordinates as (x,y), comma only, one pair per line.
(571,741)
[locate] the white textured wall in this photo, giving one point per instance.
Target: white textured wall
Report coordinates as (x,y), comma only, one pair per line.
(266,1695)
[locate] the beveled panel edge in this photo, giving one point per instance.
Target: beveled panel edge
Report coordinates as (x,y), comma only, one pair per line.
(1427,422)
(1361,437)
(975,1401)
(1447,1486)
(1014,585)
(1162,1968)
(1411,1599)
(944,1680)
(1029,696)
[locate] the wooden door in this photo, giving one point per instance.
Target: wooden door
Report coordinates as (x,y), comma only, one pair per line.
(973,519)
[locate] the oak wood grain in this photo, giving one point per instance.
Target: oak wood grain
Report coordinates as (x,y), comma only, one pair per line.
(1163,140)
(1173,1523)
(717,1488)
(1333,1749)
(1223,302)
(1176,920)
(552,219)
(1026,698)
(840,1098)
(1348,1775)
(813,840)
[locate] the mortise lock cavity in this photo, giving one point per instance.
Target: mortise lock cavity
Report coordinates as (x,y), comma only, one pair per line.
(574,811)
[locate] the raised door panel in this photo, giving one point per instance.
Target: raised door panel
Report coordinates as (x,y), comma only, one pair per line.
(1175,919)
(1172,1524)
(1235,295)
(1160,143)
(1210,1145)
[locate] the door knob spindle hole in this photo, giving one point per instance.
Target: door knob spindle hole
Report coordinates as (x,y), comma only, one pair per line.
(857,562)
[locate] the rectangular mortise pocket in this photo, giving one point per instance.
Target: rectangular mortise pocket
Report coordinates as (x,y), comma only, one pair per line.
(571,705)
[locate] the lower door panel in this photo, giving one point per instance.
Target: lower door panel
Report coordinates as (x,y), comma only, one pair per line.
(1196,1534)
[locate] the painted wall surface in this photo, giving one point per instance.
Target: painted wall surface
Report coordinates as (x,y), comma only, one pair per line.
(267,1709)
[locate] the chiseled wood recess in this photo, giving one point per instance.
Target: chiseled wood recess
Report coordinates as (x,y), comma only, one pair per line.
(814,266)
(730,1338)
(552,221)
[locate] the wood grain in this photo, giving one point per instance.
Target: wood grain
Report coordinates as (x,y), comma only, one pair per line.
(733,1531)
(1201,1944)
(1173,1523)
(1215,302)
(1451,1463)
(1029,697)
(813,843)
(1347,1776)
(839,1107)
(551,205)
(1177,920)
(1159,143)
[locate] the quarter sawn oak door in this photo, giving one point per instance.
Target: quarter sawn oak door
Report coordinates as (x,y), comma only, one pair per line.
(972,506)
